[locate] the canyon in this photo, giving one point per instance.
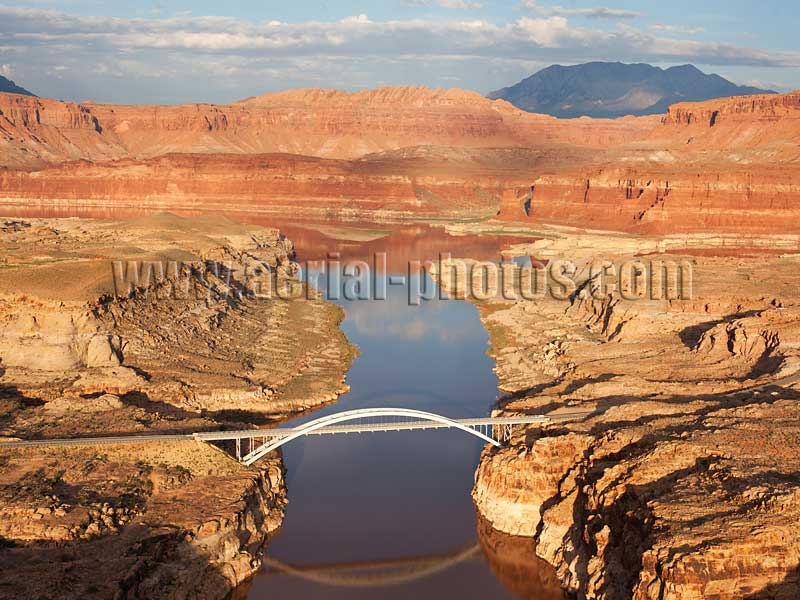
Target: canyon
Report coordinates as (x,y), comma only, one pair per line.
(681,484)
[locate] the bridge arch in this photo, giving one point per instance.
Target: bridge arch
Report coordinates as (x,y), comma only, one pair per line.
(352,415)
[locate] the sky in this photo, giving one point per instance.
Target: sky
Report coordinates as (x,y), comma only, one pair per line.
(175,51)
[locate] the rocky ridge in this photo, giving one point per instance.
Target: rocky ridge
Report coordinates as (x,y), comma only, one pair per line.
(723,166)
(179,520)
(322,123)
(198,342)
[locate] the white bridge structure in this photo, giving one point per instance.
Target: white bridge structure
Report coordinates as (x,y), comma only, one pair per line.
(255,444)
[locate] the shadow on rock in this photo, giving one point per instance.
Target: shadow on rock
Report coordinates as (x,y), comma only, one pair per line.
(788,589)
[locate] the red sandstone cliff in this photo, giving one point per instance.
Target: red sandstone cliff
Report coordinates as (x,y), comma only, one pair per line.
(420,182)
(730,165)
(312,122)
(767,124)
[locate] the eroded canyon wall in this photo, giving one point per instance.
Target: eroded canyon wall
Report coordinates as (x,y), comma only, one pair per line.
(730,165)
(311,122)
(414,182)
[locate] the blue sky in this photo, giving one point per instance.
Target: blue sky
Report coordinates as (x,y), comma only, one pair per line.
(169,51)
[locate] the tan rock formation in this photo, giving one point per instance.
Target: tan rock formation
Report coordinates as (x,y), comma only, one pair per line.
(194,340)
(179,520)
(682,482)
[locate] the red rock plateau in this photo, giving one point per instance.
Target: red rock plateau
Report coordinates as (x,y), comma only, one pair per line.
(311,122)
(388,152)
(727,165)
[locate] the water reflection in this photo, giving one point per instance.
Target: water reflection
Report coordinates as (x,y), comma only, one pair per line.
(514,562)
(376,499)
(377,573)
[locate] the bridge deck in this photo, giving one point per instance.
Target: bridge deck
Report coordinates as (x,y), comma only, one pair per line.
(281,432)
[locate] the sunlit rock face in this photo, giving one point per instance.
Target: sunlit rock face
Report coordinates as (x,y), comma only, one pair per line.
(325,123)
(680,479)
(167,520)
(721,166)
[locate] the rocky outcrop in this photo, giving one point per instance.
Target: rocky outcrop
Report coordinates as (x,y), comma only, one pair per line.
(192,317)
(179,520)
(679,479)
(667,506)
(668,199)
(769,123)
(726,166)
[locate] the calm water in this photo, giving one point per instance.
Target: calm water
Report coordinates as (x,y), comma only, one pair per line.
(373,497)
(372,500)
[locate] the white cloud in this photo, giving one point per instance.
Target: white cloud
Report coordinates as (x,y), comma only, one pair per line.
(599,12)
(767,85)
(117,60)
(6,70)
(455,4)
(681,29)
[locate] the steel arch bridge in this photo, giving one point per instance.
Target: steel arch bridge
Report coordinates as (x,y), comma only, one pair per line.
(260,442)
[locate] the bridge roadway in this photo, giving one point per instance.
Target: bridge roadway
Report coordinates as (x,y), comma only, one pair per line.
(267,436)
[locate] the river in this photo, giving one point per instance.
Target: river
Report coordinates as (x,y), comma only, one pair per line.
(390,515)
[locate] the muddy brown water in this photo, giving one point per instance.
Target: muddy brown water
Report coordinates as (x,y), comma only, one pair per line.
(390,515)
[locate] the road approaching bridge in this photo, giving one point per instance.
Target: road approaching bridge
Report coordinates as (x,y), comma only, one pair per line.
(259,442)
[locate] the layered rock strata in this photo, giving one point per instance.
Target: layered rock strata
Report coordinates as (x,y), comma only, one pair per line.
(679,477)
(205,332)
(413,183)
(312,122)
(728,165)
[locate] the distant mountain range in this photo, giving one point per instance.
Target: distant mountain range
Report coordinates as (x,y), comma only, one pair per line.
(6,85)
(600,89)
